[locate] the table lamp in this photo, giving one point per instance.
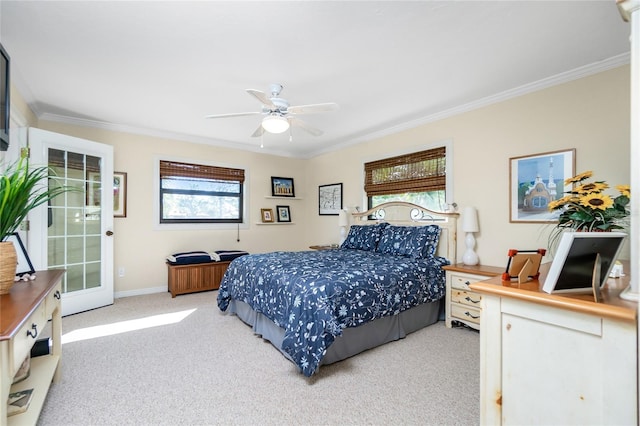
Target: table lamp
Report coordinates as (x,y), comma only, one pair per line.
(470,225)
(343,222)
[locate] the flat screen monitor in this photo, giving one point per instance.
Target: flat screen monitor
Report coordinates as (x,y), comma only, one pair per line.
(572,268)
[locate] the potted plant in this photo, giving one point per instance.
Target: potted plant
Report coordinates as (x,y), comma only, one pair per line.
(587,208)
(22,189)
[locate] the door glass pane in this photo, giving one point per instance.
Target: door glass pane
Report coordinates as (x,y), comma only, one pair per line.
(93,275)
(74,278)
(74,225)
(56,252)
(75,249)
(56,221)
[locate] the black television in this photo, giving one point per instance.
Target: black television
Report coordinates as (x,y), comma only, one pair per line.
(5,88)
(572,268)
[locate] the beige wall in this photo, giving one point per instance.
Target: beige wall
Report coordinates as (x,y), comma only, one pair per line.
(590,114)
(140,247)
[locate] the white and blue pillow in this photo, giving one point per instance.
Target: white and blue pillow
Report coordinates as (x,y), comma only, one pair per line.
(411,241)
(364,237)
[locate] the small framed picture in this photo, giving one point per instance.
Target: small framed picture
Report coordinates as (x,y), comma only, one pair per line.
(267,215)
(536,180)
(330,199)
(282,187)
(284,214)
(119,194)
(24,263)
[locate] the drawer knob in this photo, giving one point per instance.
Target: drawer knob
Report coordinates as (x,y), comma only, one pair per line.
(468,299)
(34,327)
(472,316)
(57,294)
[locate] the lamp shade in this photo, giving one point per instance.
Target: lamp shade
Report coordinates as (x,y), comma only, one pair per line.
(470,220)
(275,124)
(343,219)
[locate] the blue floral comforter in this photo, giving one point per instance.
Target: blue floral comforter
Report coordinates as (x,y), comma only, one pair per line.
(314,295)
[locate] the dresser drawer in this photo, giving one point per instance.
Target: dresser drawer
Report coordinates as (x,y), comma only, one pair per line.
(53,300)
(25,338)
(466,313)
(462,281)
(466,298)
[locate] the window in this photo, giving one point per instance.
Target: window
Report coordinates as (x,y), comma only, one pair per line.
(193,193)
(418,178)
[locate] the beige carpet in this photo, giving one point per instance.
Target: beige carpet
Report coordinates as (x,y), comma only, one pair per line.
(209,368)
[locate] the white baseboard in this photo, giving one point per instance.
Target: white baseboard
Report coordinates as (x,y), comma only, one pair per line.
(140,292)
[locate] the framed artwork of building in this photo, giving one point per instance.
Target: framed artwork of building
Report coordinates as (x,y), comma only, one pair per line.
(535,181)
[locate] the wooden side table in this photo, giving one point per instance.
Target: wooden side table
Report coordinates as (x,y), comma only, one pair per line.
(325,247)
(461,303)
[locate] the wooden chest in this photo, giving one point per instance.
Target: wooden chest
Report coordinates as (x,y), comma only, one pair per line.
(195,277)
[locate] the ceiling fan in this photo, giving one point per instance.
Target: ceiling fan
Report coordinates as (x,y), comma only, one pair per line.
(278,115)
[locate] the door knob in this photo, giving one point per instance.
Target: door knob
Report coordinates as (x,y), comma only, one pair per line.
(109,233)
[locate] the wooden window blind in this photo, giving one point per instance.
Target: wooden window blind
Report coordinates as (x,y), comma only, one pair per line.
(416,172)
(169,169)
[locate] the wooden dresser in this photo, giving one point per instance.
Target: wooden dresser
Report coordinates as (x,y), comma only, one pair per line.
(24,312)
(557,360)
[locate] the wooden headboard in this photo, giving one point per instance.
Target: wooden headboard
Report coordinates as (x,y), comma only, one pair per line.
(407,214)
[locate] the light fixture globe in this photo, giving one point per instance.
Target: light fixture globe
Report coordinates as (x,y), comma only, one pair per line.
(275,124)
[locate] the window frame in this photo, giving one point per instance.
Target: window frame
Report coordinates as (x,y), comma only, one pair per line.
(199,224)
(448,204)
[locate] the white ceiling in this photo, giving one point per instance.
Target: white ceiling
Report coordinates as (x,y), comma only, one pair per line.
(158,68)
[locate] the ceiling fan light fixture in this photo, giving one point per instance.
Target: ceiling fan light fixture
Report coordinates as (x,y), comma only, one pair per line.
(275,124)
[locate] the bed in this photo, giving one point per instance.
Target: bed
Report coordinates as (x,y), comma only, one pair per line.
(319,307)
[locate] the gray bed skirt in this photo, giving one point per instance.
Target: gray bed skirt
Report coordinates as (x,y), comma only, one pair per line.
(353,340)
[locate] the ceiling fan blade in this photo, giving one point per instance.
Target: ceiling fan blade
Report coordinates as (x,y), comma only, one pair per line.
(233,114)
(259,131)
(262,97)
(313,108)
(304,126)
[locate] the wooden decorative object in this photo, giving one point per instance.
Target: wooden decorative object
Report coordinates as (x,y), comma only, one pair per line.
(523,265)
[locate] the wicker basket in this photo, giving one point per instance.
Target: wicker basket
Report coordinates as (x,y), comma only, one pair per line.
(8,265)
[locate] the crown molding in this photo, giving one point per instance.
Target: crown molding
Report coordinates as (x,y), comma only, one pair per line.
(575,74)
(565,77)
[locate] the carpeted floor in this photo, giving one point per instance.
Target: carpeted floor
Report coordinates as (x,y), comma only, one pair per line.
(164,361)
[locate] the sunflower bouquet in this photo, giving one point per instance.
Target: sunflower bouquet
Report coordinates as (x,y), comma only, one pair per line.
(588,208)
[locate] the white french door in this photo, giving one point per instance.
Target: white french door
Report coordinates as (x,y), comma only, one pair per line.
(74,231)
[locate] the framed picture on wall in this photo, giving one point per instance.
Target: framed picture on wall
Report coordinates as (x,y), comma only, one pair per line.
(535,181)
(267,215)
(119,194)
(284,214)
(282,187)
(330,199)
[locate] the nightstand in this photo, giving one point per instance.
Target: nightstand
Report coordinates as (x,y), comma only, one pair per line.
(325,247)
(461,303)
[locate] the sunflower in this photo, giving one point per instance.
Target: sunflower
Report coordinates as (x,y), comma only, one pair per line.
(588,188)
(624,190)
(596,201)
(578,178)
(556,204)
